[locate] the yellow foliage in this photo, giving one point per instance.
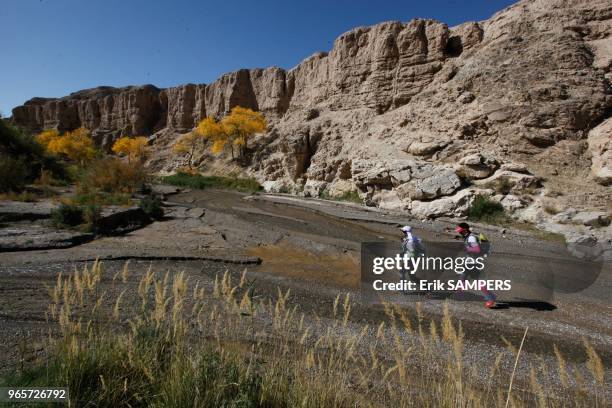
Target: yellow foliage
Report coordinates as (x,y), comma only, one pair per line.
(135,148)
(75,145)
(218,146)
(214,131)
(234,129)
(243,123)
(46,136)
(210,129)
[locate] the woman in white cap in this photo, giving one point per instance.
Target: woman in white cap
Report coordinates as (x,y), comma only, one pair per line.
(412,246)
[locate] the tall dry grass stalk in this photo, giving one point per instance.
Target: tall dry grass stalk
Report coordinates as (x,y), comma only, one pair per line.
(174,344)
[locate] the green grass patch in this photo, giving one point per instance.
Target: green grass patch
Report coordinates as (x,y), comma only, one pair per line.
(350,196)
(485,210)
(198,181)
(83,217)
(67,215)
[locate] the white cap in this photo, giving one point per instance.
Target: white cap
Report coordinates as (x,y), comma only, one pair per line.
(406,228)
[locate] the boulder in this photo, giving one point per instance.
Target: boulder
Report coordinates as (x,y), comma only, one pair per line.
(426,148)
(477,166)
(565,217)
(511,202)
(314,188)
(275,186)
(389,200)
(585,247)
(434,183)
(340,187)
(591,218)
(454,206)
(515,167)
(511,180)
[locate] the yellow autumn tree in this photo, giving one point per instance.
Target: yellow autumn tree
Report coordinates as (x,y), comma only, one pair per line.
(135,148)
(210,129)
(76,145)
(46,136)
(187,144)
(241,124)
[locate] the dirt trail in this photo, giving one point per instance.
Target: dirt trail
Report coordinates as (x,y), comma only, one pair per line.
(312,247)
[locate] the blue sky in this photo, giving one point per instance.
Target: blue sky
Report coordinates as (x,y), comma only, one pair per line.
(54,47)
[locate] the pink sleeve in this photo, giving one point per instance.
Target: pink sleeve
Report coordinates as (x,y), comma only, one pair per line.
(473,249)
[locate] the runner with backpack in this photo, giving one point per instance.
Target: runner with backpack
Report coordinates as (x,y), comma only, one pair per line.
(476,245)
(412,246)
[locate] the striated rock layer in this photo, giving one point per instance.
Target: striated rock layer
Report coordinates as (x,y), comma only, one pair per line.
(142,110)
(418,115)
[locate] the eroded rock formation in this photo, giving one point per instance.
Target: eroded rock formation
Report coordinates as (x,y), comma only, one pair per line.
(417,115)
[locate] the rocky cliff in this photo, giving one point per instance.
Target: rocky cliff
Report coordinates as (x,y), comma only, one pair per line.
(142,110)
(416,116)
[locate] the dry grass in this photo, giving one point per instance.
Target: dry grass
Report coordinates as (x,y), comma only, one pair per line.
(180,345)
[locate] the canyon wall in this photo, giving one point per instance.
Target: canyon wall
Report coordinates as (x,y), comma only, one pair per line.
(416,116)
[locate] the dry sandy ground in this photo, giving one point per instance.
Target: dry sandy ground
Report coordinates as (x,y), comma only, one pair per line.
(312,247)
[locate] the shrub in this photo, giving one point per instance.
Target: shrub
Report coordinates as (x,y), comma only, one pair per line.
(13,174)
(91,215)
(485,209)
(247,185)
(22,159)
(152,206)
(111,175)
(67,215)
(46,179)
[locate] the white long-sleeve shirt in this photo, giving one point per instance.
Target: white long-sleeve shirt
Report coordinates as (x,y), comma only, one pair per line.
(411,244)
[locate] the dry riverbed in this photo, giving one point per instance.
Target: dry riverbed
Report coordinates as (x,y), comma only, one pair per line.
(311,247)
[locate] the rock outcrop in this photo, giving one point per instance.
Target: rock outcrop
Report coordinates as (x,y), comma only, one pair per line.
(600,146)
(415,115)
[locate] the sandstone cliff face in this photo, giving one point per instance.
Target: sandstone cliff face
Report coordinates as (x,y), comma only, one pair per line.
(418,115)
(136,110)
(106,111)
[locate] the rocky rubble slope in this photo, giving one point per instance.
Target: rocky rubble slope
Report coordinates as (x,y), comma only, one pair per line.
(415,116)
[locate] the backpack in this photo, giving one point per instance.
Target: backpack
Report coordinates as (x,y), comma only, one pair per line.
(484,243)
(417,246)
